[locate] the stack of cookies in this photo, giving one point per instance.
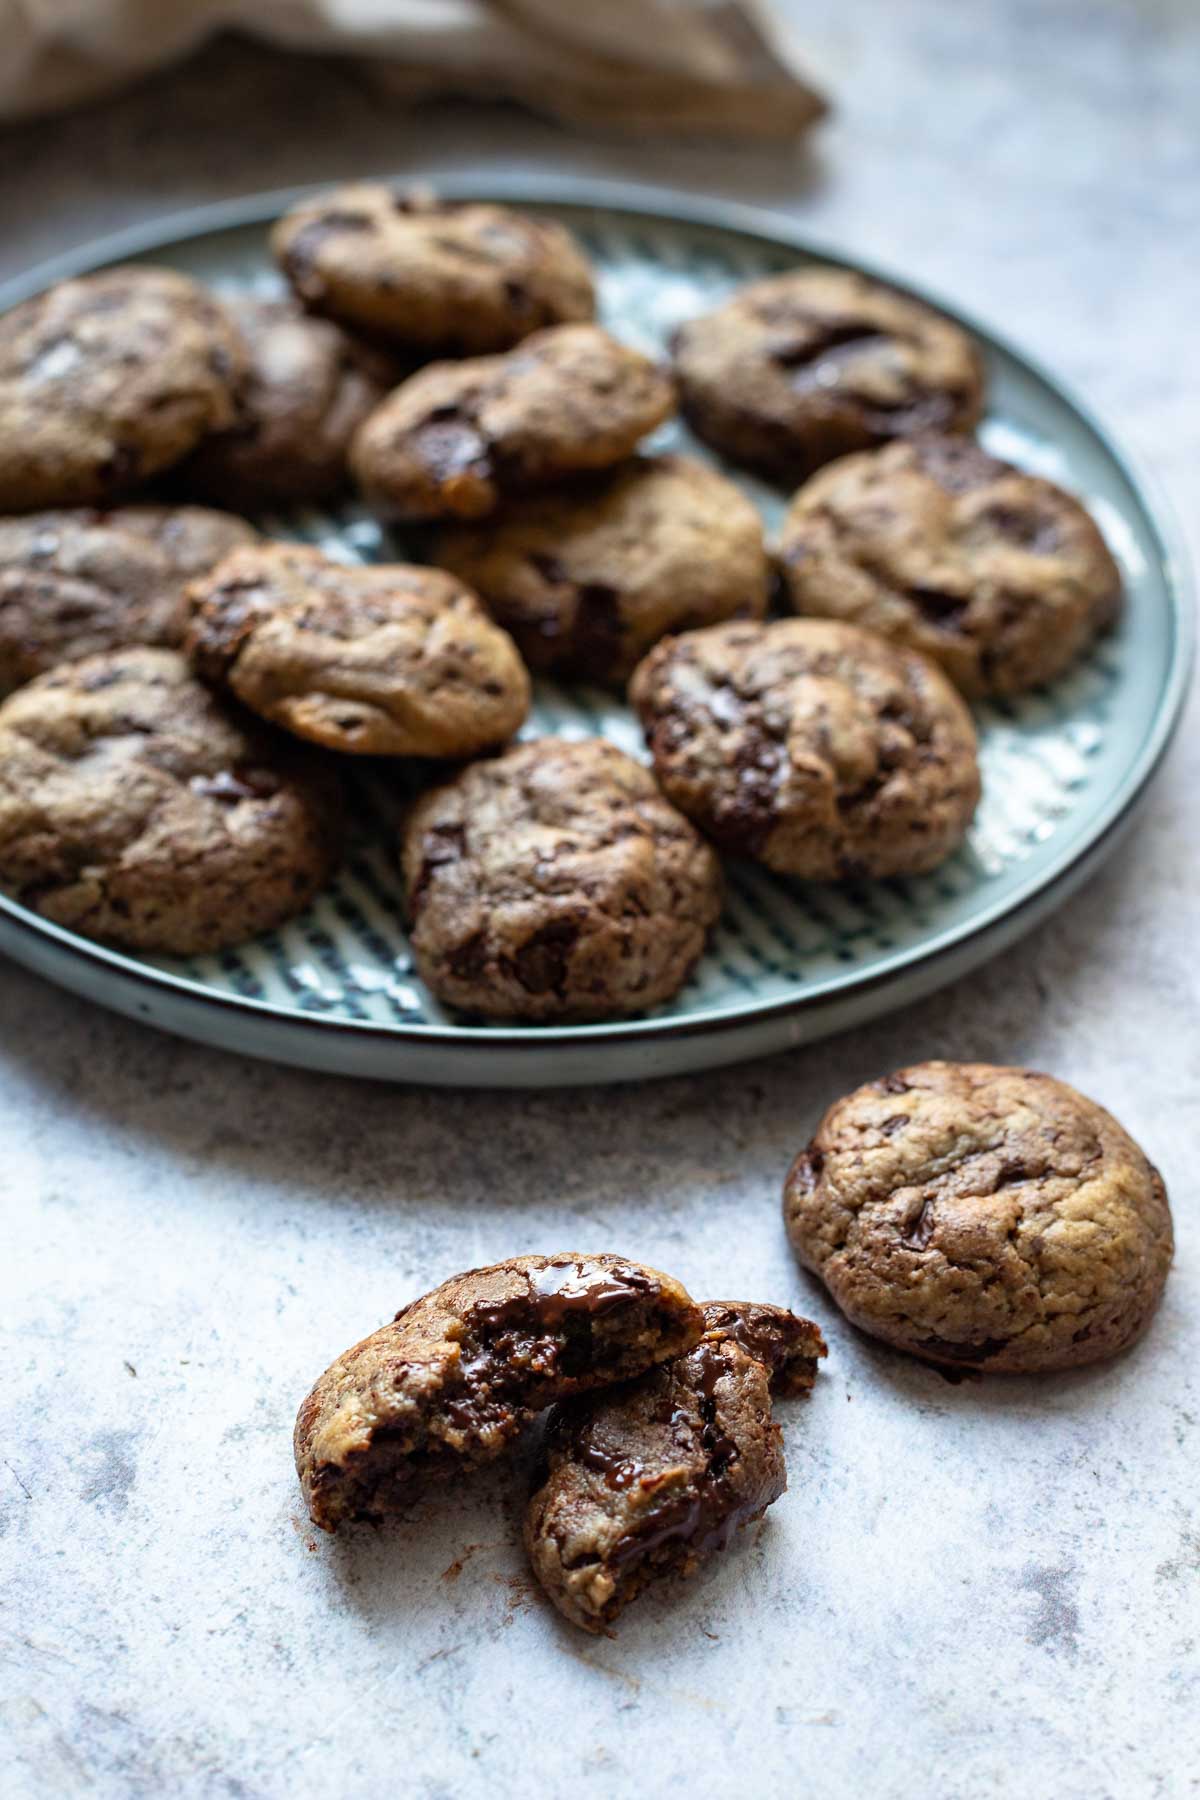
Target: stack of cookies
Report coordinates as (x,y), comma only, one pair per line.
(183,695)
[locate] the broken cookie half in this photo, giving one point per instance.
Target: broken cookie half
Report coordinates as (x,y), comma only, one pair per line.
(459,1373)
(651,1479)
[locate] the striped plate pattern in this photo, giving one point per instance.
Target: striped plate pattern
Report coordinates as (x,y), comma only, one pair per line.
(1047,759)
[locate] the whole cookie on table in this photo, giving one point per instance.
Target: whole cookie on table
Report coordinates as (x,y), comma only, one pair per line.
(819,749)
(588,578)
(77,581)
(378,659)
(985,1216)
(306,389)
(555,882)
(1000,576)
(649,1480)
(457,438)
(434,276)
(452,1382)
(802,367)
(108,380)
(135,808)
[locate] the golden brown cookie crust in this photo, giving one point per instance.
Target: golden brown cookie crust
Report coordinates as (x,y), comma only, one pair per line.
(457,438)
(588,579)
(108,380)
(135,808)
(816,748)
(650,1480)
(1000,576)
(555,882)
(458,1375)
(982,1216)
(306,389)
(77,581)
(802,367)
(376,660)
(429,275)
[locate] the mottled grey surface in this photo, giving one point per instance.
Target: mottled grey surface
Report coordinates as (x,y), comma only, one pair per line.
(974,1590)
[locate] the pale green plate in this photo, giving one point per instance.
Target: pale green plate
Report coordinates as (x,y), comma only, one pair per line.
(790,962)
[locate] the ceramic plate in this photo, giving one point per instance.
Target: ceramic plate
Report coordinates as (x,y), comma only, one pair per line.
(790,962)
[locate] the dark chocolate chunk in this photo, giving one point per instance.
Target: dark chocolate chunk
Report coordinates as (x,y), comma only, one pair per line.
(652,1478)
(458,1374)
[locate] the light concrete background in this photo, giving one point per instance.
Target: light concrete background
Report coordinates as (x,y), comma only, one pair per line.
(968,1591)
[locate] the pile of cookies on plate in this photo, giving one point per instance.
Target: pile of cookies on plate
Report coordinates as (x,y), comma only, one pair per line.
(183,694)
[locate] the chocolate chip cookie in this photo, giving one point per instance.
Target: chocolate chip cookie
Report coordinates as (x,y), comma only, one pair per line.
(816,748)
(78,581)
(556,883)
(456,438)
(983,1216)
(649,1480)
(429,275)
(802,367)
(460,1373)
(379,659)
(1000,576)
(306,390)
(107,381)
(136,809)
(192,538)
(587,579)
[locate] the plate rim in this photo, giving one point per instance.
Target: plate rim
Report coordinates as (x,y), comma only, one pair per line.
(1032,900)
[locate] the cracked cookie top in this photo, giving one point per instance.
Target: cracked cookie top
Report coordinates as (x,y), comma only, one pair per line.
(106,381)
(983,1216)
(78,581)
(378,659)
(556,882)
(649,1481)
(459,1373)
(819,749)
(430,275)
(306,389)
(802,367)
(456,438)
(588,579)
(1000,576)
(135,808)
